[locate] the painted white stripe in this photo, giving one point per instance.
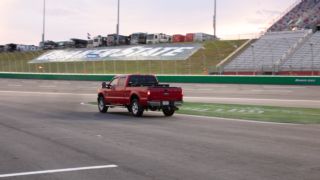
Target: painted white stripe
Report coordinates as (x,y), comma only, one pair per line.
(213,118)
(252,99)
(46,93)
(205,89)
(228,119)
(14,85)
(63,83)
(284,87)
(185,98)
(271,90)
(238,120)
(47,86)
(57,171)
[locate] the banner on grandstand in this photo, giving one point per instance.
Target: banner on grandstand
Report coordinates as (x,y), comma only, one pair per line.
(127,53)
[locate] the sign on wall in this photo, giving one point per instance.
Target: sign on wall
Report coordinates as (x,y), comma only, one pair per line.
(127,53)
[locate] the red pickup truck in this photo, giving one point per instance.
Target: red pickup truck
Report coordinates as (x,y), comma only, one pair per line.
(138,93)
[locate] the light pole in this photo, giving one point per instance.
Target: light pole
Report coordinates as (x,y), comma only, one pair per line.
(44,22)
(253,58)
(205,69)
(215,19)
(118,22)
(312,57)
(273,64)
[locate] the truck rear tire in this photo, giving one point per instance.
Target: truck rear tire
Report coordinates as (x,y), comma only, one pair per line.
(136,108)
(168,111)
(102,105)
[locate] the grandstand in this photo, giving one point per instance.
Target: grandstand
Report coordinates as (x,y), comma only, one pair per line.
(271,49)
(306,15)
(289,47)
(306,58)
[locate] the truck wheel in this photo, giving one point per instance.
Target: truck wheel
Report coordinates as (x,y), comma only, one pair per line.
(136,109)
(102,105)
(168,111)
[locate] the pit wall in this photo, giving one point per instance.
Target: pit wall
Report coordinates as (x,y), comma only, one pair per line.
(256,80)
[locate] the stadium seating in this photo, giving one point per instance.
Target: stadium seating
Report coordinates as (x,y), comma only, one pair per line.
(306,58)
(272,48)
(305,15)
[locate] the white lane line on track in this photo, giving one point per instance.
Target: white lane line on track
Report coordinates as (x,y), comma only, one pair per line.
(186,98)
(47,86)
(252,90)
(14,85)
(283,87)
(65,83)
(252,99)
(47,93)
(232,119)
(271,90)
(199,89)
(57,171)
(238,120)
(211,118)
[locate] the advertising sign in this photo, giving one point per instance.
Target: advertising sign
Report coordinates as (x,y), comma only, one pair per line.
(127,53)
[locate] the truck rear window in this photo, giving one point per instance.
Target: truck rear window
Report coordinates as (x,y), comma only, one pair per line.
(143,81)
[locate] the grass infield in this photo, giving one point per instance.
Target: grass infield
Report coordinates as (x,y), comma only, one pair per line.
(252,112)
(256,113)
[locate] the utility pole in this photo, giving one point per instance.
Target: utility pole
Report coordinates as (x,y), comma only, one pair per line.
(312,58)
(253,58)
(44,22)
(215,19)
(118,22)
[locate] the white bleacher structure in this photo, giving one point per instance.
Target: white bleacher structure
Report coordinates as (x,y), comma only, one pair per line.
(289,46)
(268,52)
(304,15)
(306,58)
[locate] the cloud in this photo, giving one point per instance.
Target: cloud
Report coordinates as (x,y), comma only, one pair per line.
(63,12)
(21,20)
(271,12)
(262,17)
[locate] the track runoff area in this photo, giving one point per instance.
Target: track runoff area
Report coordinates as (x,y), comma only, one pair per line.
(52,130)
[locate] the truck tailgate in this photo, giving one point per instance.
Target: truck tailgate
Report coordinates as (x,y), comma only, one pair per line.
(165,94)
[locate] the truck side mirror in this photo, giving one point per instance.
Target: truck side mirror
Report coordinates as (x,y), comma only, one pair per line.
(104,85)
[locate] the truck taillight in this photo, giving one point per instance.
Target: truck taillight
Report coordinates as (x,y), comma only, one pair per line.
(149,93)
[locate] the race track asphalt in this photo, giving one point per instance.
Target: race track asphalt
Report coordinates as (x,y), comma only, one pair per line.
(46,125)
(286,96)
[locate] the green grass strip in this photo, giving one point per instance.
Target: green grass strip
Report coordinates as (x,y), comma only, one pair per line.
(256,113)
(252,112)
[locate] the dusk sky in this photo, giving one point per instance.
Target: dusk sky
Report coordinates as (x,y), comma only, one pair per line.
(21,20)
